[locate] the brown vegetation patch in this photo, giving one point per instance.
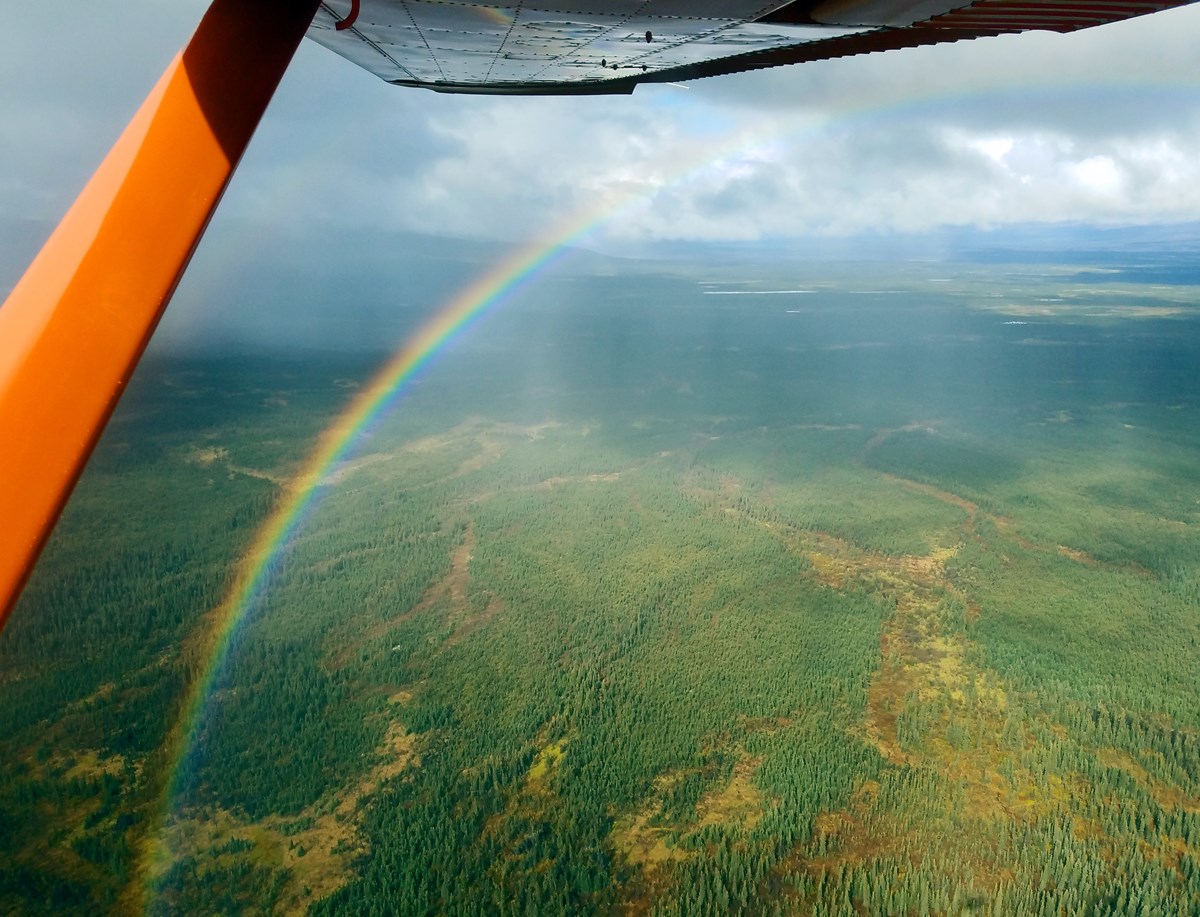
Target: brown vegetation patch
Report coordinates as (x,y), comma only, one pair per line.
(490,449)
(829,570)
(207,456)
(103,693)
(1080,557)
(545,763)
(451,590)
(643,844)
(645,840)
(441,441)
(491,440)
(454,586)
(527,807)
(739,802)
(535,796)
(316,848)
(88,764)
(345,469)
(918,663)
(918,426)
(594,478)
(768,725)
(1168,797)
(471,623)
(277,479)
(942,496)
(850,837)
(1008,528)
(730,486)
(929,706)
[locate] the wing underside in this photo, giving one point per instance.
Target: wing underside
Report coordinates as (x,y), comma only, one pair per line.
(610,46)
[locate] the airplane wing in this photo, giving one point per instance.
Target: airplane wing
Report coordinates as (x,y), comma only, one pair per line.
(545,47)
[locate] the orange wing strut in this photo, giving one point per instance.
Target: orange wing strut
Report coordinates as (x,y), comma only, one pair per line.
(73,328)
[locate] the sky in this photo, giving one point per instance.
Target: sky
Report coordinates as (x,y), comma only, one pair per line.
(1097,128)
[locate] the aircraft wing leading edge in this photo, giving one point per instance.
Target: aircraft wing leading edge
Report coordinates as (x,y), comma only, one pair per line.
(583,47)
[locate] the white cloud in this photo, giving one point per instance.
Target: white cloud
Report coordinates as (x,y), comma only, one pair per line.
(1098,175)
(994,148)
(1101,126)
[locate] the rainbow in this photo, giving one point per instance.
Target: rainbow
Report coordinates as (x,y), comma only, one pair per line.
(487,292)
(334,445)
(336,442)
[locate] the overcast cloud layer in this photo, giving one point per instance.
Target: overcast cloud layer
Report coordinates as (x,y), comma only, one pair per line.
(1100,127)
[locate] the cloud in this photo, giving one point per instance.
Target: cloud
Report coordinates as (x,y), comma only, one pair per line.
(1097,127)
(898,142)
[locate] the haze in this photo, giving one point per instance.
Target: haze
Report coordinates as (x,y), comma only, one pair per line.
(1100,128)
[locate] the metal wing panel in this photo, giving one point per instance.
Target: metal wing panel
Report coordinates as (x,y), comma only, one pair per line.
(606,46)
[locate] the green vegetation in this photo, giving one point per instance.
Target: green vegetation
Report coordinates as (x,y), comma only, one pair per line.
(881,606)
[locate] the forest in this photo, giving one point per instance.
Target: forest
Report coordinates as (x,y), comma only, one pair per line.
(882,598)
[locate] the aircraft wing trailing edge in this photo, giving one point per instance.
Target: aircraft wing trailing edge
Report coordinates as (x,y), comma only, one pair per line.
(545,47)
